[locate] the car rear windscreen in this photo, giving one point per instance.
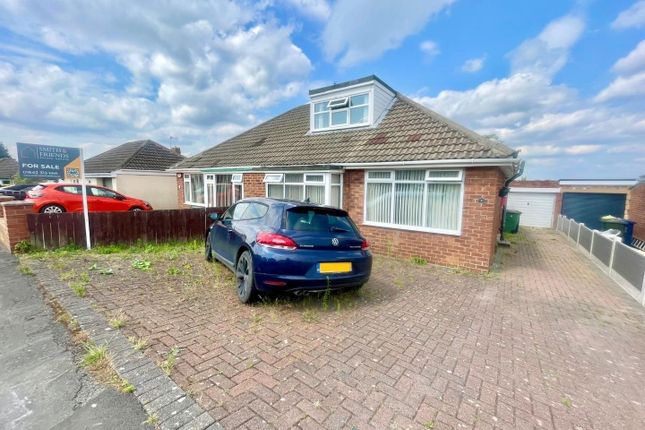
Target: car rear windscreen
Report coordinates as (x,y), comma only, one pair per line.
(318,220)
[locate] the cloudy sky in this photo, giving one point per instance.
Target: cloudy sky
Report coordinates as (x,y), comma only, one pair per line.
(564,81)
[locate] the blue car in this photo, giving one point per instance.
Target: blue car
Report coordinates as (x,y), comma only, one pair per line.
(276,246)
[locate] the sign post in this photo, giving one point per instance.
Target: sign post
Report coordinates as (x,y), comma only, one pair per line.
(55,162)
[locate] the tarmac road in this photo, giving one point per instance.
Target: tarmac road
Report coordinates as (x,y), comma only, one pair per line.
(41,386)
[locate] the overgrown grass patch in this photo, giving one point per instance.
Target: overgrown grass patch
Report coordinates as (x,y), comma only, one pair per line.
(25,270)
(118,319)
(169,362)
(138,343)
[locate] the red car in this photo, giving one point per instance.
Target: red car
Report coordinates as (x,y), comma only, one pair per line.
(59,198)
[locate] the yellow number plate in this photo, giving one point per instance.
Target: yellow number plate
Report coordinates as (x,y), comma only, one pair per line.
(343,267)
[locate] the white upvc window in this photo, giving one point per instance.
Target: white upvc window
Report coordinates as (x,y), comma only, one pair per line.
(342,112)
(194,189)
(424,200)
(319,187)
(212,190)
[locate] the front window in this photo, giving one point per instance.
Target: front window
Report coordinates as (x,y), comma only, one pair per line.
(213,190)
(419,199)
(341,112)
(320,188)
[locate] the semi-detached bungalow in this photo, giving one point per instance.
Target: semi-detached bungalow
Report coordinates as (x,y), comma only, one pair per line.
(416,183)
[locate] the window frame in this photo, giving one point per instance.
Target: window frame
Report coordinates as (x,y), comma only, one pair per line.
(341,104)
(326,183)
(211,179)
(392,180)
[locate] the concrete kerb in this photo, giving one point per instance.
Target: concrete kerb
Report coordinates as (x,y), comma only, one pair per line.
(158,394)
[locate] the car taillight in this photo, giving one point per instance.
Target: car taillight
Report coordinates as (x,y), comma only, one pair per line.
(34,194)
(365,245)
(274,240)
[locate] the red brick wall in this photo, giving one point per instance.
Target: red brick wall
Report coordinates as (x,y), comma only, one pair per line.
(180,192)
(474,249)
(13,223)
(253,185)
(637,209)
(535,184)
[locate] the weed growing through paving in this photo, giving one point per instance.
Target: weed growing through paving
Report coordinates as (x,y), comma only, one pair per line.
(169,363)
(79,288)
(309,316)
(66,318)
(429,424)
(174,271)
(101,270)
(25,270)
(141,264)
(94,354)
(566,401)
(124,385)
(152,419)
(118,319)
(67,275)
(23,247)
(419,261)
(138,343)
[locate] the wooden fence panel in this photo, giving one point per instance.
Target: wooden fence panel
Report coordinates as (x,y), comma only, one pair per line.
(51,231)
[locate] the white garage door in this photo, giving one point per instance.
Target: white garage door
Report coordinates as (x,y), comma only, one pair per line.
(536,207)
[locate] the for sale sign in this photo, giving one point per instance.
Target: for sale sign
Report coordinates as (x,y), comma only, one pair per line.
(48,161)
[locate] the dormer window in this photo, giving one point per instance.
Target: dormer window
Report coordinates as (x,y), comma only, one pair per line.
(342,112)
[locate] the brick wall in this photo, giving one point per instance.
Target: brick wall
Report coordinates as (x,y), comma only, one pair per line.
(637,209)
(535,184)
(253,185)
(180,192)
(473,250)
(13,222)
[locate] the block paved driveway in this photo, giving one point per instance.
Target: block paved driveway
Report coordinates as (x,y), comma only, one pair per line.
(546,342)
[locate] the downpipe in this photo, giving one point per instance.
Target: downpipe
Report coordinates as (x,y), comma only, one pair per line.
(503,193)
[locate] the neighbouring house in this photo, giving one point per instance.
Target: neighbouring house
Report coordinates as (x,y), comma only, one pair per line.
(137,169)
(8,169)
(585,200)
(416,183)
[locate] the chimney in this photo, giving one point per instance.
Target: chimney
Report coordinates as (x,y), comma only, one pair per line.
(176,150)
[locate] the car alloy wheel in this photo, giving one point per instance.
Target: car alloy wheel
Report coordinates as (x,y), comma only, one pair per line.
(244,277)
(52,209)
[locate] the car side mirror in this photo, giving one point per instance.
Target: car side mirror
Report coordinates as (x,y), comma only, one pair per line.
(119,197)
(213,216)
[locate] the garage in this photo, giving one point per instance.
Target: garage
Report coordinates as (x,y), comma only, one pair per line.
(588,208)
(536,204)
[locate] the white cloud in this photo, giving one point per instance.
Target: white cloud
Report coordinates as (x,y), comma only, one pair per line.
(549,122)
(473,65)
(190,70)
(549,51)
(315,9)
(429,48)
(632,17)
(362,30)
(633,62)
(512,99)
(26,52)
(541,150)
(624,87)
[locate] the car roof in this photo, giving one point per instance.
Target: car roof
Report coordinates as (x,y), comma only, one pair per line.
(287,203)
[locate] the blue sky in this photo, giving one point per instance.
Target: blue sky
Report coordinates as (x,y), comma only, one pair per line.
(563,81)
